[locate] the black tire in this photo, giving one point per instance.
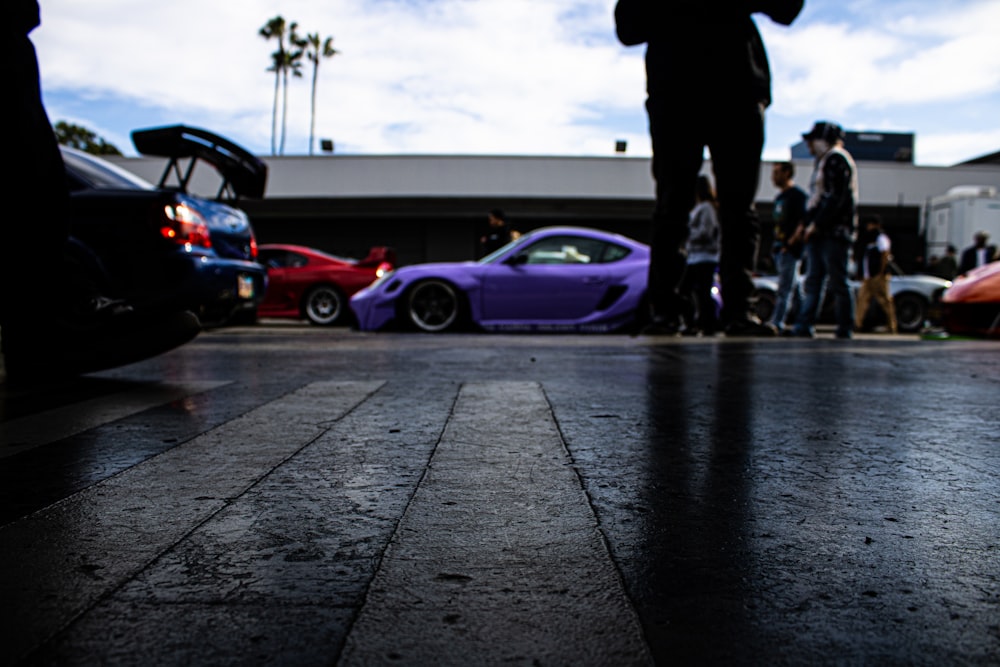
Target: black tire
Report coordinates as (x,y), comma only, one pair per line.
(911,311)
(432,306)
(324,305)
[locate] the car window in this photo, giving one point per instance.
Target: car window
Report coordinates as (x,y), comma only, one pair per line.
(573,250)
(282,259)
(85,171)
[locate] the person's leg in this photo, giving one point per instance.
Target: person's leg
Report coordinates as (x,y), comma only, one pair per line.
(813,287)
(785,265)
(836,261)
(883,295)
(705,279)
(686,304)
(865,294)
(735,145)
(677,159)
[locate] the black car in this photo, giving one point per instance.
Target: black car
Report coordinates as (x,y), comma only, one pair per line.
(159,248)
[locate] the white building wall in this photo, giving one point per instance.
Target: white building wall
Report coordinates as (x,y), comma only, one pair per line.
(881,183)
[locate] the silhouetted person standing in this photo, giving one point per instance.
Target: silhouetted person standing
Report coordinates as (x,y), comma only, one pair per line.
(54,321)
(708,83)
(30,255)
(978,254)
(498,233)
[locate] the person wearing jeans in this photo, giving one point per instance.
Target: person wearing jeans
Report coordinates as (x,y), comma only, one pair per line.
(831,217)
(789,228)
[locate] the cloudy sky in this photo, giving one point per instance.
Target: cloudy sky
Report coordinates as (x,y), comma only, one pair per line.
(510,77)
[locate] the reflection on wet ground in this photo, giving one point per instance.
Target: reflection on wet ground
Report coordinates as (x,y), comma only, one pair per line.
(809,502)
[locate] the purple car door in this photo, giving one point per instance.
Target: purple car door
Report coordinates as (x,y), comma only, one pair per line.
(554,279)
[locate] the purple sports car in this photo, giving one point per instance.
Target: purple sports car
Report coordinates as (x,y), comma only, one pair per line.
(551,279)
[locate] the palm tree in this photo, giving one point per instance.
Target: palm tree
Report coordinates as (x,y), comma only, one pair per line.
(316,49)
(291,62)
(282,60)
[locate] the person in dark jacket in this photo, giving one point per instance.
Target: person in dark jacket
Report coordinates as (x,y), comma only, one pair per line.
(978,254)
(708,82)
(789,214)
(39,178)
(831,222)
(498,233)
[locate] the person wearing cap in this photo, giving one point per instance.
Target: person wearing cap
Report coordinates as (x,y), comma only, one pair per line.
(708,83)
(831,221)
(977,254)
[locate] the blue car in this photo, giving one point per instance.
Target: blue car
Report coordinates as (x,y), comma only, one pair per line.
(551,279)
(159,248)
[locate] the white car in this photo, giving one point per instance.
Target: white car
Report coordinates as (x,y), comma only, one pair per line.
(917,299)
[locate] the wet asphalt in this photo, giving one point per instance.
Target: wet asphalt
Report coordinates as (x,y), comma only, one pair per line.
(293,495)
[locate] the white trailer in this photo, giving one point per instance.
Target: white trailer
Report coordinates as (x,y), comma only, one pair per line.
(952,218)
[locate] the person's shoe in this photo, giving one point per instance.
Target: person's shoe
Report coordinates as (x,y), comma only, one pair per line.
(844,335)
(750,327)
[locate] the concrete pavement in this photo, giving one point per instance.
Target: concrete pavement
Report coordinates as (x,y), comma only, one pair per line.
(296,495)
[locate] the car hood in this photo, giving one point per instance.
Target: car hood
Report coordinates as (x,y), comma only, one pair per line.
(980,285)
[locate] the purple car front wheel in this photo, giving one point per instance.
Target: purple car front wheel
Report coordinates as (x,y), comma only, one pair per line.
(432,306)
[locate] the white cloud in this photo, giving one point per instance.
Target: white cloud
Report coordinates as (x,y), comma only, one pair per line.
(500,76)
(950,54)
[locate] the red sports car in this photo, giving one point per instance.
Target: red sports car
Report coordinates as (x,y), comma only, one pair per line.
(972,304)
(305,283)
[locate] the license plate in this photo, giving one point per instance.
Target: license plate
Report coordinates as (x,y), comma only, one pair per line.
(244,286)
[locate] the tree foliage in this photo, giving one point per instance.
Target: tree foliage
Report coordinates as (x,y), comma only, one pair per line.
(83,139)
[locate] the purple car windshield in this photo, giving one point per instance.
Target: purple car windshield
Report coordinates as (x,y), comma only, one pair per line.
(503,250)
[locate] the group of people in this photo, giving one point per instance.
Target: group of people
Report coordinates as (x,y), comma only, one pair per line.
(817,228)
(720,105)
(978,254)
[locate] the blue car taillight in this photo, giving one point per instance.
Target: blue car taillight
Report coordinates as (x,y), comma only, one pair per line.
(185,226)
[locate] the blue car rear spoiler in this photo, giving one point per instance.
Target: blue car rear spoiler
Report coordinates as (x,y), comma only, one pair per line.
(243,174)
